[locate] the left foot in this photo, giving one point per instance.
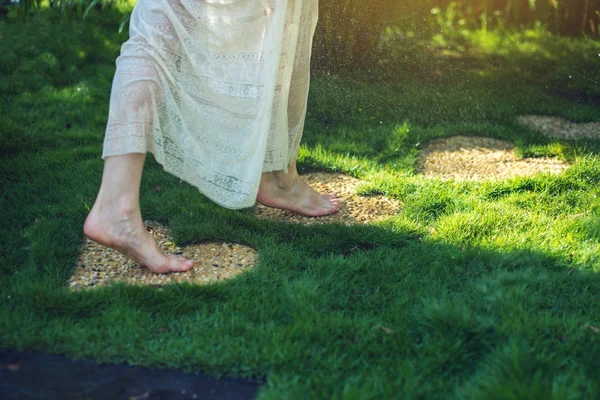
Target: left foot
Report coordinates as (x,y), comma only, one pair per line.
(289,192)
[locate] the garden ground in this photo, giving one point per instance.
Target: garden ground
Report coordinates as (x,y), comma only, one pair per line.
(474,289)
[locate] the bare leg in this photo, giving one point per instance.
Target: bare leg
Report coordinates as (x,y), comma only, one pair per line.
(116,220)
(289,192)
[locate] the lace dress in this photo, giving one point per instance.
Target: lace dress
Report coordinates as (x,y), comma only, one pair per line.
(215,89)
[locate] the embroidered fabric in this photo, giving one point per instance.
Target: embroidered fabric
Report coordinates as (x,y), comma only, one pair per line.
(215,89)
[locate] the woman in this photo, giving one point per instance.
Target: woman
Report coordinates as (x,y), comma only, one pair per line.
(217,91)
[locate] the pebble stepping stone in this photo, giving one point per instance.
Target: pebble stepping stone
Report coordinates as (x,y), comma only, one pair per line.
(480,158)
(560,128)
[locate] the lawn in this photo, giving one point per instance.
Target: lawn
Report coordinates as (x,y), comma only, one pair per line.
(475,290)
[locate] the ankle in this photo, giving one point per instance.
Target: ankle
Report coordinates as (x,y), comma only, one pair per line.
(281,180)
(122,205)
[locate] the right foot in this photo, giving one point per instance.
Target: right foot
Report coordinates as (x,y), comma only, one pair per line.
(126,233)
(290,192)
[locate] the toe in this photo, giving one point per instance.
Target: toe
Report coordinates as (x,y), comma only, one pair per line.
(330,197)
(178,264)
(333,208)
(335,202)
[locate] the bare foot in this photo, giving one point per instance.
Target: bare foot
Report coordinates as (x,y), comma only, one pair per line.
(125,232)
(290,192)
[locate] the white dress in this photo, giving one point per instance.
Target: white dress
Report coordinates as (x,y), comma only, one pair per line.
(215,89)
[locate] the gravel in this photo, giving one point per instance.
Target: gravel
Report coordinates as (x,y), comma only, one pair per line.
(560,128)
(100,266)
(480,158)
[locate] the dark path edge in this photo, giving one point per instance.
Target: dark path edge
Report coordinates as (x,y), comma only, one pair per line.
(27,375)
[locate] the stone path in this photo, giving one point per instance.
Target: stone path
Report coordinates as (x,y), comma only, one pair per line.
(458,157)
(100,266)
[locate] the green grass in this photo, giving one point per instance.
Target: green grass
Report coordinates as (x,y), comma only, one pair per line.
(485,290)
